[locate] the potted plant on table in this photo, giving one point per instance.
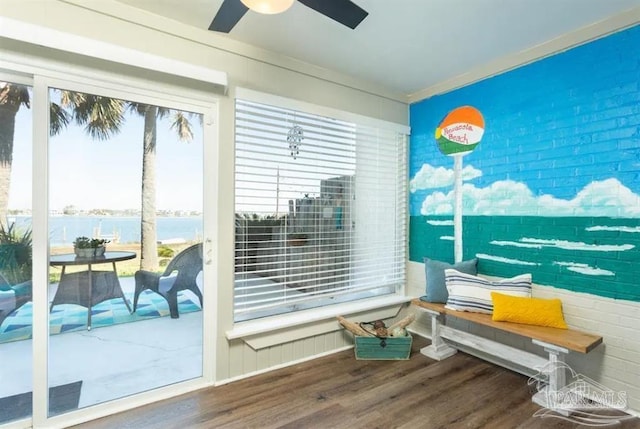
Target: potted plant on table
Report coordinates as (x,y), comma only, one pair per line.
(85,247)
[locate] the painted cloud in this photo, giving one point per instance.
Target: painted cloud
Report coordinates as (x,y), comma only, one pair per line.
(600,198)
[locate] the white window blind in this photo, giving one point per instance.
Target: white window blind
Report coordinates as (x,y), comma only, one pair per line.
(320,210)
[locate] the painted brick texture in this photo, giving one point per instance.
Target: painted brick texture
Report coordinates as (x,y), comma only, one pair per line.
(552,189)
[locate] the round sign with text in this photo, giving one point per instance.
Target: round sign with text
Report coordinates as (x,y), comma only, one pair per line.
(460,131)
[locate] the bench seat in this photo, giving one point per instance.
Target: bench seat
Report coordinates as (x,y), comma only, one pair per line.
(577,341)
(551,371)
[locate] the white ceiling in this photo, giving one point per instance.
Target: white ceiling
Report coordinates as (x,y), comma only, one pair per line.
(404,45)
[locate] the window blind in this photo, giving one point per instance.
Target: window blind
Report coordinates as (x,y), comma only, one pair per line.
(320,210)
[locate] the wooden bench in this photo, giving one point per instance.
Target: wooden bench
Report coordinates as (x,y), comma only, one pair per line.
(556,342)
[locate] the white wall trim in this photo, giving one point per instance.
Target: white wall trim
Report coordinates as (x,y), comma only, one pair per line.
(283,365)
(265,340)
(204,37)
(303,106)
(299,318)
(566,41)
(37,35)
(24,67)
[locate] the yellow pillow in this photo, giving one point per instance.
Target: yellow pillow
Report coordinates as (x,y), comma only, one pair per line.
(530,311)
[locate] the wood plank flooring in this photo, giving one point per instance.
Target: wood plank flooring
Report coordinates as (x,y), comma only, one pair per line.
(339,391)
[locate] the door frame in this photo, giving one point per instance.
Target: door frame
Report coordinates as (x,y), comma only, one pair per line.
(43,74)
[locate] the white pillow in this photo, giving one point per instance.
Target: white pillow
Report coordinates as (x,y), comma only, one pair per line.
(472,293)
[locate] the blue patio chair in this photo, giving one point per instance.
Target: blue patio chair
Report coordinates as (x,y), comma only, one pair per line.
(12,297)
(187,264)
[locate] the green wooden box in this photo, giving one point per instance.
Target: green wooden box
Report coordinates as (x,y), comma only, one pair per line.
(373,348)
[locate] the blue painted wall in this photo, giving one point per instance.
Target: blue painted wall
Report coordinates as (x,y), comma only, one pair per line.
(554,186)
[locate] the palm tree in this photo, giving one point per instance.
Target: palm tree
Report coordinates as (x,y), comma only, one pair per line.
(102,118)
(12,97)
(182,126)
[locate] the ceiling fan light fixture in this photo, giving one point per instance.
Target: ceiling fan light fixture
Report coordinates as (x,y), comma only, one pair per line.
(268,7)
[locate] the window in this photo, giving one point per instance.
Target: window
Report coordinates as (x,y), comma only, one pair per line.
(320,209)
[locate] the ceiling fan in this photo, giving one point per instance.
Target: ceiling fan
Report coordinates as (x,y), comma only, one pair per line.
(343,11)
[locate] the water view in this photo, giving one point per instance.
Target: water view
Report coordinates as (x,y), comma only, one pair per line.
(64,229)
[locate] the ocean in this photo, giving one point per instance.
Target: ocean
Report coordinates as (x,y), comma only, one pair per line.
(64,229)
(597,255)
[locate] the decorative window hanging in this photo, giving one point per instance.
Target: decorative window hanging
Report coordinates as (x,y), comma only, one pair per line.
(294,137)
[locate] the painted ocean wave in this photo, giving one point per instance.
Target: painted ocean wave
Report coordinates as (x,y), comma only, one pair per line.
(614,228)
(440,222)
(538,243)
(504,260)
(585,269)
(598,255)
(516,244)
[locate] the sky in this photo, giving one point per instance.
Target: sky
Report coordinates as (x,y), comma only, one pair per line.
(89,173)
(535,173)
(558,132)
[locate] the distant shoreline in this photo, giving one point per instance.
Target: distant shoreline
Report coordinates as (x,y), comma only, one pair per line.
(124,214)
(118,229)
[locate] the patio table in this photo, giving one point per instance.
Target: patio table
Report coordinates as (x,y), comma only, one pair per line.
(90,287)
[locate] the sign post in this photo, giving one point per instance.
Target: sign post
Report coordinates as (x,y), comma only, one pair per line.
(458,135)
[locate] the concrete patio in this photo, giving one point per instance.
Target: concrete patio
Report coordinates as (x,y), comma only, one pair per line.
(114,361)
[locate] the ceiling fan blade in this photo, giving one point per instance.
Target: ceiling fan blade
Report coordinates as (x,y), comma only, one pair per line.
(344,11)
(228,16)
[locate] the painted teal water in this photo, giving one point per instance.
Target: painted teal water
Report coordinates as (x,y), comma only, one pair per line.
(597,255)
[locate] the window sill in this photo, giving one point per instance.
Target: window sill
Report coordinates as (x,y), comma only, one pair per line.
(269,324)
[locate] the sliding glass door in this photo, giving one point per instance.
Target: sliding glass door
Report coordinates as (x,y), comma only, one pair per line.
(15,248)
(102,271)
(125,246)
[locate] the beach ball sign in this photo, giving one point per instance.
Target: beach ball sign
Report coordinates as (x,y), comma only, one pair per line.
(460,131)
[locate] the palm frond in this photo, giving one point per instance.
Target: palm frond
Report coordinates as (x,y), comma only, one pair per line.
(163,112)
(101,116)
(58,118)
(182,126)
(12,98)
(137,108)
(14,94)
(70,100)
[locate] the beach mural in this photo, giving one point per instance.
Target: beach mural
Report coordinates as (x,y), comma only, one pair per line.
(554,187)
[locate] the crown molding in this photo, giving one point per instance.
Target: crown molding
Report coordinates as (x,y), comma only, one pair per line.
(564,42)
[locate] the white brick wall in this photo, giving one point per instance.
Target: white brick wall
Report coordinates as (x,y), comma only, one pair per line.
(615,364)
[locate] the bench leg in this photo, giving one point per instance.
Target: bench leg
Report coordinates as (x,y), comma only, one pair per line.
(552,394)
(438,350)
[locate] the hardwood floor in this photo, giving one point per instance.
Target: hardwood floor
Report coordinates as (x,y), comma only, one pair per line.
(339,391)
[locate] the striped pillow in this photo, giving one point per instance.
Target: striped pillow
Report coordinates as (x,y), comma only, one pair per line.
(472,293)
